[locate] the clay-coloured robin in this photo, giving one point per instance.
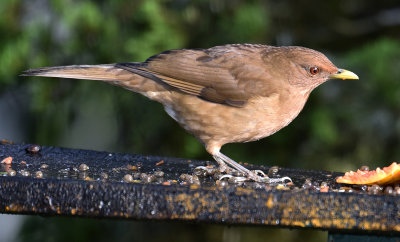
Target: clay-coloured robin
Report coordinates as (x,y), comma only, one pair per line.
(224,94)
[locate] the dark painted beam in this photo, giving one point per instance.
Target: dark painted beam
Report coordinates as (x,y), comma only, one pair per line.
(142,187)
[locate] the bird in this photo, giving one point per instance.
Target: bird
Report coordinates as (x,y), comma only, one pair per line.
(232,93)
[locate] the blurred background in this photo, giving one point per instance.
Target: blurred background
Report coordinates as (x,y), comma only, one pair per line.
(345,124)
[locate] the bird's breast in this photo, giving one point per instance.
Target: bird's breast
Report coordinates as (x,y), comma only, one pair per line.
(218,123)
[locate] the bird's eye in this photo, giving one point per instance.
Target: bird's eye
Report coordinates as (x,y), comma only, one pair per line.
(314,70)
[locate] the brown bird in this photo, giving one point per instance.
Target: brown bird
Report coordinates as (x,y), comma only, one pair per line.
(224,94)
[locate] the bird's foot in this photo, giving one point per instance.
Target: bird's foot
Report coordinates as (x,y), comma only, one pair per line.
(257,176)
(260,176)
(244,173)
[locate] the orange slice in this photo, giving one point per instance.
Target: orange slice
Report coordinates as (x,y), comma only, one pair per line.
(387,175)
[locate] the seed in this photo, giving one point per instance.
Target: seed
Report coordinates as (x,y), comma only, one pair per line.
(25,173)
(39,174)
(128,178)
(364,168)
(131,167)
(83,167)
(397,190)
(44,166)
(103,175)
(200,171)
(307,184)
(190,179)
(389,190)
(34,149)
(11,172)
(374,189)
(147,178)
(364,188)
(159,173)
(222,183)
(273,171)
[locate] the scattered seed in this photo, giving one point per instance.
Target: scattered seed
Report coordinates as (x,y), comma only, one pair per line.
(374,189)
(39,174)
(222,183)
(200,171)
(44,166)
(190,179)
(131,167)
(23,163)
(83,167)
(160,163)
(346,189)
(364,168)
(147,178)
(25,173)
(136,175)
(364,188)
(389,190)
(73,169)
(307,184)
(397,190)
(159,173)
(103,175)
(273,171)
(11,172)
(34,149)
(128,178)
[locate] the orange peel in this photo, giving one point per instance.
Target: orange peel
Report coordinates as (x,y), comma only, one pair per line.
(384,176)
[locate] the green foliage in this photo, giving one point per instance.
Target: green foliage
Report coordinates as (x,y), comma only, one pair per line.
(344,125)
(380,64)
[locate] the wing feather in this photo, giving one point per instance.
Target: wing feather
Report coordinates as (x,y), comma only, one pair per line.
(222,74)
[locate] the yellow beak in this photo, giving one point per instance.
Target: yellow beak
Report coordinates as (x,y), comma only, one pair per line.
(343,74)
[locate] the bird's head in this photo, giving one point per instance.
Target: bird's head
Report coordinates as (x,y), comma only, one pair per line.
(306,68)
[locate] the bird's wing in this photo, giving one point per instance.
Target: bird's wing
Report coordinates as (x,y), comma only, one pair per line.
(225,74)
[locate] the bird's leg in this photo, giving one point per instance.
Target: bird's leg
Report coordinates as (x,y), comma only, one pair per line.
(223,167)
(224,160)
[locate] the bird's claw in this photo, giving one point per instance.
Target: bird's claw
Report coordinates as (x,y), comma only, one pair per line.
(234,179)
(256,178)
(259,173)
(267,179)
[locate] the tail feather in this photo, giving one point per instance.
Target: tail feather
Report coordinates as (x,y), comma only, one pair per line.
(107,72)
(131,76)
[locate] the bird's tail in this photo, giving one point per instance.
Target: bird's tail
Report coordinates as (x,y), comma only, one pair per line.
(107,72)
(131,76)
